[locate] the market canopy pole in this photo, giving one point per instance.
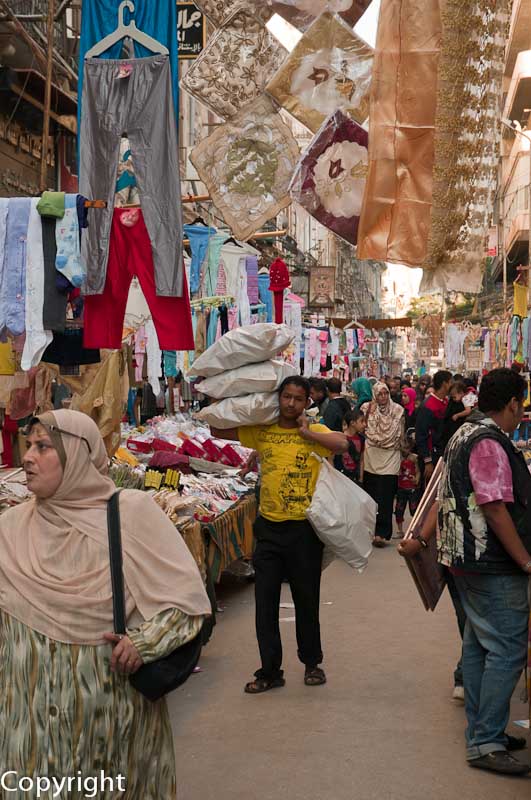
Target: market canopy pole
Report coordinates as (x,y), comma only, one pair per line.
(47,93)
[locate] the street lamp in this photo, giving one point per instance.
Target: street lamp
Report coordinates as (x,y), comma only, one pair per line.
(515,127)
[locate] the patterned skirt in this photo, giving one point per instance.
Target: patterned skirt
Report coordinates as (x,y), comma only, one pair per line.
(64,714)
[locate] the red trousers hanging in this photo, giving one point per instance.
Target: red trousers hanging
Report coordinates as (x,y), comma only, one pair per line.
(130,255)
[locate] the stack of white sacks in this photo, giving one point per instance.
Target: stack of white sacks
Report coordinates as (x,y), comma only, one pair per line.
(243,373)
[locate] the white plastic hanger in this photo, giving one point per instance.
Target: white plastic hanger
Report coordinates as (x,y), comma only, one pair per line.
(126,31)
(352,324)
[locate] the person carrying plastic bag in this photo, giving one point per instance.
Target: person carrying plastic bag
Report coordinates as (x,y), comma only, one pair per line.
(286,543)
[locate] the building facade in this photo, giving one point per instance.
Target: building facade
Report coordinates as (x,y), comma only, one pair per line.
(512,215)
(23,45)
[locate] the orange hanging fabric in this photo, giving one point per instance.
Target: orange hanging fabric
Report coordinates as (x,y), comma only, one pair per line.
(395,218)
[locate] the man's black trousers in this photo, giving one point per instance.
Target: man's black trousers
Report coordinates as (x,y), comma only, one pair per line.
(288,550)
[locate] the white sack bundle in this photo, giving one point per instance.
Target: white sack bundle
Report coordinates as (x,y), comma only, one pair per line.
(253,409)
(343,516)
(247,345)
(264,377)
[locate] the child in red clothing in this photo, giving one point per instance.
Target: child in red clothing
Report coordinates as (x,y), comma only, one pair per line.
(351,462)
(408,486)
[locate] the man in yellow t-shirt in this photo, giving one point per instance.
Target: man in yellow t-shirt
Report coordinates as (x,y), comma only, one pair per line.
(286,544)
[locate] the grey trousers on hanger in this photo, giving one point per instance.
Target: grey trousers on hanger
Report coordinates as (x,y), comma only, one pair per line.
(138,105)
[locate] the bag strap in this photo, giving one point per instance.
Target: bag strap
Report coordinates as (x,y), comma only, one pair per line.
(115,556)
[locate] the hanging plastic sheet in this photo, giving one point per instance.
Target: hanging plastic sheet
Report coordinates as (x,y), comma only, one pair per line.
(330,178)
(329,69)
(247,165)
(219,12)
(301,12)
(235,66)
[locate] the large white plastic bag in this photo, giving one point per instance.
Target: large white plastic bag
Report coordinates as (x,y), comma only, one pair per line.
(253,409)
(264,377)
(249,344)
(343,516)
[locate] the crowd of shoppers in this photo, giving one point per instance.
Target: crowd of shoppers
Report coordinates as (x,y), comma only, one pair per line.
(387,438)
(483,526)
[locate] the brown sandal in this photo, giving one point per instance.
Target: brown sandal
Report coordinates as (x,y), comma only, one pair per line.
(314,676)
(260,685)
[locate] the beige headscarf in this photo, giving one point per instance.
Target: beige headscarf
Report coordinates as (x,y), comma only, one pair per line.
(384,425)
(54,554)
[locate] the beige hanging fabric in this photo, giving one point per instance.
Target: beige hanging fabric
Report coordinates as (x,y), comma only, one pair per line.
(395,218)
(103,399)
(433,144)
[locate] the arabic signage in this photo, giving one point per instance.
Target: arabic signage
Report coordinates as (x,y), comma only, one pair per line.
(191,30)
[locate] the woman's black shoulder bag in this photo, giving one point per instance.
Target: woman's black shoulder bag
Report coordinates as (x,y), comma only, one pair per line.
(156,679)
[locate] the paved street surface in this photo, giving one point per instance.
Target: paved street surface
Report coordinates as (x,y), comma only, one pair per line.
(383,728)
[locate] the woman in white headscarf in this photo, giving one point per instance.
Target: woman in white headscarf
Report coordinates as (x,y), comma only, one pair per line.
(68,708)
(383,439)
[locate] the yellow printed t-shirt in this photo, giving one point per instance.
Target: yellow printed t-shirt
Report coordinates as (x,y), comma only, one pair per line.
(289,474)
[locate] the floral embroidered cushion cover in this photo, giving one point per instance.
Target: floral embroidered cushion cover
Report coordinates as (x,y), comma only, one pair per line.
(329,69)
(235,66)
(329,181)
(246,165)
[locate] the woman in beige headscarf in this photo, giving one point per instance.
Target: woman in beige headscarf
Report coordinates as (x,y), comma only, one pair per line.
(383,439)
(68,708)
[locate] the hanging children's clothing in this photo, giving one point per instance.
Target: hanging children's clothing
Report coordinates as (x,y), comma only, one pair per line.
(130,254)
(232,254)
(154,357)
(198,236)
(170,363)
(37,339)
(210,277)
(312,353)
(55,300)
(13,267)
(251,266)
(279,279)
(265,295)
(242,298)
(68,240)
(140,352)
(139,103)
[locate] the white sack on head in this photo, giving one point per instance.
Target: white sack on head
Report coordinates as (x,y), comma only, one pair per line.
(247,345)
(264,377)
(253,409)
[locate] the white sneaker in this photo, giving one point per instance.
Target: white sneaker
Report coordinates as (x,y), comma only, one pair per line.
(459,694)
